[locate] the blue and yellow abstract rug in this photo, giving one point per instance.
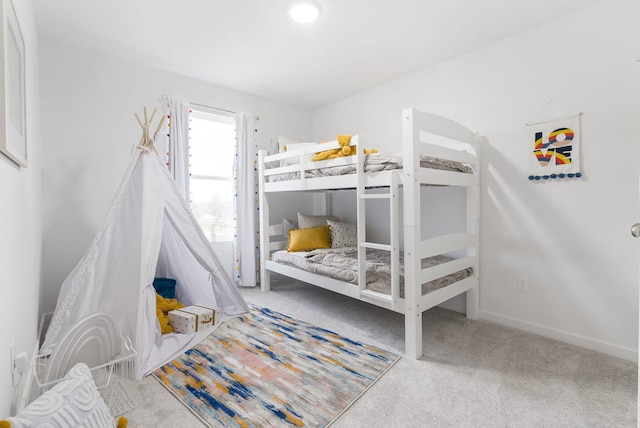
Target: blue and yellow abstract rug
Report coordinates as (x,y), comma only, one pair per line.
(265,369)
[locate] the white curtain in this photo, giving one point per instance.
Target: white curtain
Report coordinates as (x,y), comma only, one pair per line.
(246,242)
(179,143)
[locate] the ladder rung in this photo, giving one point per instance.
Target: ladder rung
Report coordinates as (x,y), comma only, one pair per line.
(375,295)
(375,246)
(375,195)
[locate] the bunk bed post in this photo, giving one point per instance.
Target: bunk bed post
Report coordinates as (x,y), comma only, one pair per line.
(263,207)
(361,215)
(473,227)
(394,238)
(321,202)
(412,235)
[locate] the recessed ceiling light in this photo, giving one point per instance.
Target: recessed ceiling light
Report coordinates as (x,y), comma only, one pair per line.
(304,10)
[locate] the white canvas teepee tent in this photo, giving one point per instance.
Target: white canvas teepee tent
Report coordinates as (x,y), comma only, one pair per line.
(149,232)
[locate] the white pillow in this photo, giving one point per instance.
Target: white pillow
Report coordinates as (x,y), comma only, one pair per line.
(343,234)
(307,220)
(287,145)
(73,402)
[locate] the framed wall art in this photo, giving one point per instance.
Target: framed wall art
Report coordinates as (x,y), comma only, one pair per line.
(13,127)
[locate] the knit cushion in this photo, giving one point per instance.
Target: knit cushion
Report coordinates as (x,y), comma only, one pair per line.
(73,402)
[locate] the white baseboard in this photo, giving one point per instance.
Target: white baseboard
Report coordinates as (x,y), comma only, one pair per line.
(563,336)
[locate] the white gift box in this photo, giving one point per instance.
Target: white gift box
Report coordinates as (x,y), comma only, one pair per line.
(191,319)
(182,322)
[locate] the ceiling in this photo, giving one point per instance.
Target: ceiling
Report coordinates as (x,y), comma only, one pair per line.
(253,45)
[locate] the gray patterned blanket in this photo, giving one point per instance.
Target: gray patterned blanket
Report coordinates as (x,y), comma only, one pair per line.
(342,264)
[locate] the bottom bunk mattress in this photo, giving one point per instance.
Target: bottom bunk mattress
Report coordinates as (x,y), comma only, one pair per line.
(342,264)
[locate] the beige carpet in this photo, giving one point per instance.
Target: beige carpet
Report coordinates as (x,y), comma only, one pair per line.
(473,374)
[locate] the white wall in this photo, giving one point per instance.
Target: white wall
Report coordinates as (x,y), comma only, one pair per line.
(570,238)
(88,106)
(20,224)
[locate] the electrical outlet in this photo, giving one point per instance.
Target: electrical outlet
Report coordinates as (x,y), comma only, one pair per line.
(21,363)
(523,284)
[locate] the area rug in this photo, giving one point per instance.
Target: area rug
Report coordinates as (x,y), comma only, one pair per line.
(265,369)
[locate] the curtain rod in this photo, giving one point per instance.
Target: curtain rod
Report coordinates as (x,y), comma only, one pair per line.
(209,107)
(213,108)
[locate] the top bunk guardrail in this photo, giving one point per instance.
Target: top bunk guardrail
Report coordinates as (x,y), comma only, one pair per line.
(301,159)
(441,150)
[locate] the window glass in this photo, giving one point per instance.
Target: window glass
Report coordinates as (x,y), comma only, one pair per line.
(211,154)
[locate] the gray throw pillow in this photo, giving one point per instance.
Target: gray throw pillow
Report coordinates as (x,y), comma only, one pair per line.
(288,224)
(307,220)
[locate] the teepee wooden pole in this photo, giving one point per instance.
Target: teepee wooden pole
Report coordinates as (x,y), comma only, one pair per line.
(155,134)
(153,113)
(147,141)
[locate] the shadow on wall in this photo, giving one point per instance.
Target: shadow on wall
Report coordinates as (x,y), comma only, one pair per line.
(66,233)
(530,228)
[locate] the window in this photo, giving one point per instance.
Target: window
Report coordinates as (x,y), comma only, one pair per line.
(211,152)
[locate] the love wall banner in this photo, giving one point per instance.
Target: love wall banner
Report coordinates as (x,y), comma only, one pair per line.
(555,152)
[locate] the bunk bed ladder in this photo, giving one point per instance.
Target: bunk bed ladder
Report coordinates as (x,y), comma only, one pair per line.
(391,300)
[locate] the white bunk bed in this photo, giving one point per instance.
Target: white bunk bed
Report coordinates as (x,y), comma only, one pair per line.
(424,134)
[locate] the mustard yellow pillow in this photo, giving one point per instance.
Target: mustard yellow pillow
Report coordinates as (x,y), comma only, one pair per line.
(309,239)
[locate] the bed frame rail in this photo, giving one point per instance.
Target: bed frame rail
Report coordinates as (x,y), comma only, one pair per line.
(430,147)
(446,244)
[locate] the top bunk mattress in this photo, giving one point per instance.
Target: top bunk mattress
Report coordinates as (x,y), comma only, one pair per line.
(372,163)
